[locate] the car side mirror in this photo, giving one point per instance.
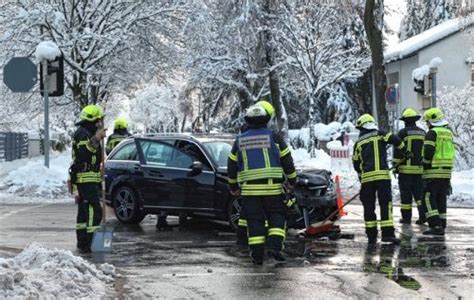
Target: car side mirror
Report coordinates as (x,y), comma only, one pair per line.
(196,168)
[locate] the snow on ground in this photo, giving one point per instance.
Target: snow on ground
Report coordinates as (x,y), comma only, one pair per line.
(41,273)
(29,177)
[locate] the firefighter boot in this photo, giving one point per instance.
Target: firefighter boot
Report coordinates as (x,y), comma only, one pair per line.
(436,230)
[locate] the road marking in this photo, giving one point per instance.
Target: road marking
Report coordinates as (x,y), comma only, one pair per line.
(13,212)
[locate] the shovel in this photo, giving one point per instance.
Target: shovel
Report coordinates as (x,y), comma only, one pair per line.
(102,239)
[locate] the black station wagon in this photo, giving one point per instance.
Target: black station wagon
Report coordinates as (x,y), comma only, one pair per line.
(184,173)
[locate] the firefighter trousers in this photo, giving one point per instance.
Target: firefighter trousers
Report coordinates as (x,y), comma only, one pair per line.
(436,195)
(258,209)
(411,188)
(382,190)
(89,213)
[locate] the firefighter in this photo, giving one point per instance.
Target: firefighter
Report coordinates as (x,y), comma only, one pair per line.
(410,170)
(85,173)
(370,162)
(120,133)
(258,161)
(438,160)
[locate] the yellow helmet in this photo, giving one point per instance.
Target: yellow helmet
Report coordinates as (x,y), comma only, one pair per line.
(92,113)
(433,114)
(268,107)
(409,113)
(120,123)
(364,119)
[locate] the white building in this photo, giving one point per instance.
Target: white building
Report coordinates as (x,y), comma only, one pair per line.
(452,41)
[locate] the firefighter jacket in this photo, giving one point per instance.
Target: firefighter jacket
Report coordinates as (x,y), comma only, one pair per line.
(115,139)
(413,137)
(258,161)
(86,155)
(370,154)
(438,153)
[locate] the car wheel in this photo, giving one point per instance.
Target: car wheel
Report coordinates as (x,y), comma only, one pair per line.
(126,206)
(233,212)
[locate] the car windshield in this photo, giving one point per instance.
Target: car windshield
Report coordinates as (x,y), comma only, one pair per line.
(219,150)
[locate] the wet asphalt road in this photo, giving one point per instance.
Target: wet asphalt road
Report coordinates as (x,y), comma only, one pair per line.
(200,260)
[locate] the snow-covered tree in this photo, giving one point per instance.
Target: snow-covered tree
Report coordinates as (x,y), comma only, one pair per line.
(458,107)
(106,44)
(425,14)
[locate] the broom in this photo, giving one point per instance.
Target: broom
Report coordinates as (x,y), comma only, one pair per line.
(325,225)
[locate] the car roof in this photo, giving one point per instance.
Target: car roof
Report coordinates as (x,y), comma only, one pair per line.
(198,137)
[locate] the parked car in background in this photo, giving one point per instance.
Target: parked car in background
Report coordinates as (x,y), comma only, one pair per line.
(184,173)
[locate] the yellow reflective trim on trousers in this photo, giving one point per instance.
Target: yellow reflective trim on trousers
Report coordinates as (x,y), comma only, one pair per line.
(245,160)
(432,213)
(232,180)
(233,157)
(80,226)
(427,201)
(284,152)
(419,203)
(92,229)
(277,232)
(257,240)
(442,216)
(405,206)
(386,223)
(371,224)
(90,221)
(242,223)
(266,158)
(291,175)
(429,143)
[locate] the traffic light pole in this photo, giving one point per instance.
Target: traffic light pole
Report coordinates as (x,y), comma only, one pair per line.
(433,72)
(46,113)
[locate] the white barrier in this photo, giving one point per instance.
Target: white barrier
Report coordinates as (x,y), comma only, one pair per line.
(341,159)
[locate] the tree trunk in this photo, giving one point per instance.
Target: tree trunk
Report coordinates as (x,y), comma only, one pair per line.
(373,28)
(270,7)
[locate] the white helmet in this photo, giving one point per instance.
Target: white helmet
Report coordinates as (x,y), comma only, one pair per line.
(255,111)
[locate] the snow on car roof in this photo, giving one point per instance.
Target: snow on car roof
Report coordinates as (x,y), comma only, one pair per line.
(426,38)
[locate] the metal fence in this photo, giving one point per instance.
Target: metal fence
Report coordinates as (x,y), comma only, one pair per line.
(13,146)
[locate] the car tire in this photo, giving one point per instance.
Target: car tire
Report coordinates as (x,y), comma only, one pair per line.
(233,212)
(126,206)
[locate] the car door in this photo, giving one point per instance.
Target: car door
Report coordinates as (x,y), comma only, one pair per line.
(167,180)
(201,187)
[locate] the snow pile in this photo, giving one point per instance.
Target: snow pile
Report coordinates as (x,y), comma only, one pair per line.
(426,38)
(323,132)
(47,50)
(38,272)
(462,183)
(303,159)
(33,178)
(435,62)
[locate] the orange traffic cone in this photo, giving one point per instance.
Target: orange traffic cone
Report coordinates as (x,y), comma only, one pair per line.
(340,202)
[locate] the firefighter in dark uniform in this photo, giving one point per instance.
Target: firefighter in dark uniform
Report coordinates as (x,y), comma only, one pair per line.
(258,161)
(438,161)
(85,173)
(411,169)
(370,162)
(120,133)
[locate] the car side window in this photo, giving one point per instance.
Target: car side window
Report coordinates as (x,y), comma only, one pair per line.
(165,155)
(194,152)
(127,152)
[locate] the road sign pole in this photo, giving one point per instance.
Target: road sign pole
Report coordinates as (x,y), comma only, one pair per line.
(433,86)
(46,113)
